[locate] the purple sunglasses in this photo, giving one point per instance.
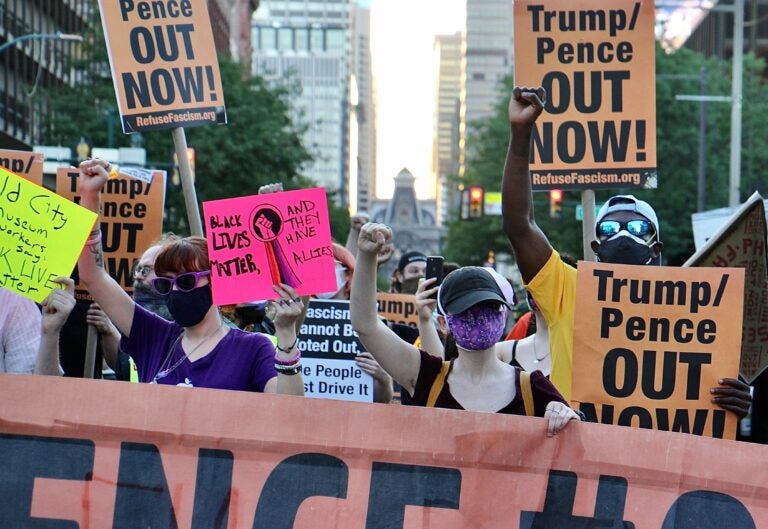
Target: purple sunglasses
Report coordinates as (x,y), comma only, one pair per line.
(184,282)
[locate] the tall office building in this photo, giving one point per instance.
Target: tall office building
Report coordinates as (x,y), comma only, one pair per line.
(445,160)
(488,58)
(28,65)
(309,42)
(362,165)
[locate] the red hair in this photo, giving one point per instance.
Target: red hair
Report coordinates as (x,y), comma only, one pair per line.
(189,254)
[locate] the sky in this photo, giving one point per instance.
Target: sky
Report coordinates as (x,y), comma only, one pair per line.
(402,39)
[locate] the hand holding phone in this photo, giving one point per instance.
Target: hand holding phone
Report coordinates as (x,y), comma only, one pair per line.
(434,269)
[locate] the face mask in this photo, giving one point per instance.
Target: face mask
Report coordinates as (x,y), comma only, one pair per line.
(409,286)
(150,299)
(189,308)
(477,328)
(624,248)
(341,282)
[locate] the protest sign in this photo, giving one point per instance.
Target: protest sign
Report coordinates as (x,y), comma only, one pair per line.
(131,220)
(91,454)
(26,164)
(397,308)
(741,242)
(650,341)
(41,236)
(164,65)
(328,348)
(258,241)
(596,60)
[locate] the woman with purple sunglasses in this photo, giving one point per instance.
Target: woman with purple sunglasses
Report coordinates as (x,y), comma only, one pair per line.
(197,348)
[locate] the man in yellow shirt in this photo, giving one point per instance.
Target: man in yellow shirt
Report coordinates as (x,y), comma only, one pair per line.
(626,231)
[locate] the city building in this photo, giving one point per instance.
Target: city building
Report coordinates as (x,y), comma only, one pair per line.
(445,160)
(413,221)
(362,165)
(308,43)
(31,64)
(488,58)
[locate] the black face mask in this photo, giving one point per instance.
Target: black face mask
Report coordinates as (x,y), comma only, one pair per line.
(189,308)
(624,250)
(409,286)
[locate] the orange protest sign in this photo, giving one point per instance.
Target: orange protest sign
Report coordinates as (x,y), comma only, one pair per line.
(397,308)
(742,243)
(596,60)
(650,341)
(98,454)
(131,220)
(26,164)
(164,64)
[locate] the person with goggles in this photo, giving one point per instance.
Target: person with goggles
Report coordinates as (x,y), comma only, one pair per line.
(197,348)
(626,231)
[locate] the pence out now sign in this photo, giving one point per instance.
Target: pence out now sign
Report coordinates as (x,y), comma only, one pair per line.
(164,64)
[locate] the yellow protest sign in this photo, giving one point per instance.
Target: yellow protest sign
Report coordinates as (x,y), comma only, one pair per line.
(164,64)
(596,59)
(24,163)
(41,236)
(650,341)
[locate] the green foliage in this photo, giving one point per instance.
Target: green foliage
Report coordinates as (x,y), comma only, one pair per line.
(677,136)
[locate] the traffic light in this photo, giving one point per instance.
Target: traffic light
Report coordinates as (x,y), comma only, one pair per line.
(476,201)
(555,203)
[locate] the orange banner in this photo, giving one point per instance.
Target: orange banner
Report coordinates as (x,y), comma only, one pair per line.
(742,242)
(26,164)
(117,455)
(131,220)
(650,341)
(164,64)
(596,60)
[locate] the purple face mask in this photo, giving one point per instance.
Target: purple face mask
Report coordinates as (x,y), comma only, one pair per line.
(478,327)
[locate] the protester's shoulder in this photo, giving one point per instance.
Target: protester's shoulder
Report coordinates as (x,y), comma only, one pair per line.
(145,317)
(553,268)
(11,301)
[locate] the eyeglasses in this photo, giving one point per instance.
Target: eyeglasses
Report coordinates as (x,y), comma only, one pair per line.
(638,228)
(184,282)
(144,270)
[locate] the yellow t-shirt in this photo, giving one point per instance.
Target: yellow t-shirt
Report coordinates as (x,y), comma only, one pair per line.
(554,290)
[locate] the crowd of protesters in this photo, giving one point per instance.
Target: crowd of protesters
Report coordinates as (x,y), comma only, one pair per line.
(463,354)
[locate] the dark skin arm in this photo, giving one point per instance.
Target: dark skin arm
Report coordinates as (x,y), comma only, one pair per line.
(532,249)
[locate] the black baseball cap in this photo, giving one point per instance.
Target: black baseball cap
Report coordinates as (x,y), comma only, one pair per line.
(466,287)
(409,257)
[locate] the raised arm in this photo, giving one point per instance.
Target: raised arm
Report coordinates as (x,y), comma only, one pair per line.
(398,358)
(532,249)
(426,300)
(105,291)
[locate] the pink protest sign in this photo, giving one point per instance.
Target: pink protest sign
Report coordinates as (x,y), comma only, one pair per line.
(258,241)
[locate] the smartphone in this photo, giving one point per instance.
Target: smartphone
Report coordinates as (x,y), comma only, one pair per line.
(434,269)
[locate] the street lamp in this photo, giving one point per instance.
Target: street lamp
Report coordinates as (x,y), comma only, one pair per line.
(56,36)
